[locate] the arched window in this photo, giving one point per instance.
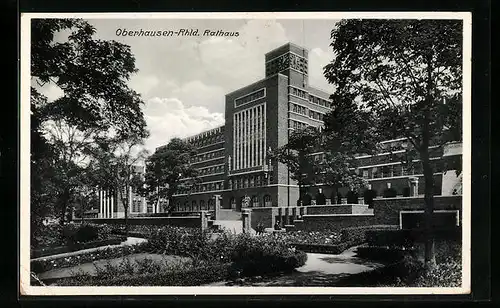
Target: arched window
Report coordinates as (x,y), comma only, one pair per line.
(267,201)
(242,202)
(186,206)
(233,203)
(211,204)
(255,201)
(193,205)
(202,205)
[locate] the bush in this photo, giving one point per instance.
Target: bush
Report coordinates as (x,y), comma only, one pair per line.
(358,234)
(390,238)
(265,254)
(170,275)
(43,265)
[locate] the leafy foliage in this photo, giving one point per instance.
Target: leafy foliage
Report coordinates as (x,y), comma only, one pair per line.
(96,102)
(297,156)
(169,171)
(404,79)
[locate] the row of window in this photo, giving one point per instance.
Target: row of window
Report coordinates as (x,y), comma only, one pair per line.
(299,92)
(320,101)
(254,201)
(214,186)
(208,140)
(207,156)
(247,181)
(398,170)
(250,97)
(211,170)
(298,109)
(193,206)
(316,115)
(296,125)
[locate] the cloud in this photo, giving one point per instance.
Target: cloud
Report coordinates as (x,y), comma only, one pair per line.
(169,117)
(318,58)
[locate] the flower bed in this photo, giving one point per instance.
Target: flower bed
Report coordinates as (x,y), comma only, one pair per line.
(38,253)
(310,237)
(150,273)
(43,265)
(55,235)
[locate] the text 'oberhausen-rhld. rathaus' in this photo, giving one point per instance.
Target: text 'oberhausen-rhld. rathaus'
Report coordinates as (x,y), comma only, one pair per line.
(232,163)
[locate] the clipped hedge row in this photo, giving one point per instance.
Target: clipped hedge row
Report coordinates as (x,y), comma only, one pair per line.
(55,235)
(409,237)
(172,277)
(43,265)
(358,234)
(43,252)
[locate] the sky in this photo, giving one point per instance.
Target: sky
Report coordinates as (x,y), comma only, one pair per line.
(183,80)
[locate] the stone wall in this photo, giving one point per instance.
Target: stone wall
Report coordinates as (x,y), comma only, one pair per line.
(186,221)
(337,209)
(387,210)
(333,222)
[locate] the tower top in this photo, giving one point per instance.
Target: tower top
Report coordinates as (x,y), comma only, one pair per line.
(285,57)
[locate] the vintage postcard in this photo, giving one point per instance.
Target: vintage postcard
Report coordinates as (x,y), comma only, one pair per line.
(245,153)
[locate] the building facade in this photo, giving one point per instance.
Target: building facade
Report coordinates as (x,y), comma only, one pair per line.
(232,159)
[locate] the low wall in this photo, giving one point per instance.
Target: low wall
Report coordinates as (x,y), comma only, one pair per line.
(184,221)
(336,209)
(225,214)
(263,215)
(333,222)
(386,210)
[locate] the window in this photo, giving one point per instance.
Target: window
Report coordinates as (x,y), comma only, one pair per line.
(211,204)
(186,206)
(255,201)
(233,203)
(202,205)
(193,205)
(365,174)
(267,201)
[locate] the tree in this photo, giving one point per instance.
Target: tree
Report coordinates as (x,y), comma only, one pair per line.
(348,132)
(408,73)
(96,101)
(169,171)
(297,156)
(116,161)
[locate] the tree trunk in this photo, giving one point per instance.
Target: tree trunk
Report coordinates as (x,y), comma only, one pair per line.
(429,255)
(126,210)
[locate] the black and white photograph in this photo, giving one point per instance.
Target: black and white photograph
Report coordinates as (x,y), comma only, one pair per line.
(245,153)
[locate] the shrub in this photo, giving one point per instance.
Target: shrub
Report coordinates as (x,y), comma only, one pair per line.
(151,273)
(266,254)
(390,238)
(358,234)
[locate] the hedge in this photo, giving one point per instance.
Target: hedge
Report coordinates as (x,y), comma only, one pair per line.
(408,237)
(43,252)
(183,277)
(358,234)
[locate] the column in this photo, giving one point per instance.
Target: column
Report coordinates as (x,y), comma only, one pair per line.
(235,141)
(247,220)
(101,204)
(264,132)
(112,203)
(413,186)
(130,199)
(251,136)
(204,220)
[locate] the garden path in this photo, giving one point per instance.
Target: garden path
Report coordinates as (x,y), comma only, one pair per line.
(320,270)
